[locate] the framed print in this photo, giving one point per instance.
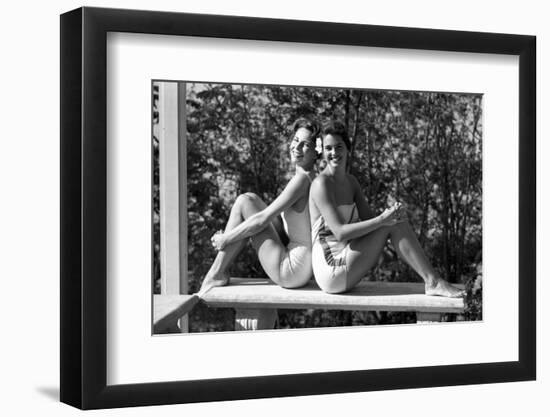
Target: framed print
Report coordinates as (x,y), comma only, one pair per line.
(175,124)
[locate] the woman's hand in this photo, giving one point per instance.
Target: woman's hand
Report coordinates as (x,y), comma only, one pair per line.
(393,215)
(218,240)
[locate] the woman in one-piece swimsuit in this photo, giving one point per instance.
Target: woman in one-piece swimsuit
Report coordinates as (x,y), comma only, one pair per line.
(287,265)
(347,237)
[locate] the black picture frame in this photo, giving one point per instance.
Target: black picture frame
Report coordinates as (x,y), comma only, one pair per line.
(84,207)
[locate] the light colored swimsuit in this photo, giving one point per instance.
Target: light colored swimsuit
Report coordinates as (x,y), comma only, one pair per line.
(296,264)
(329,255)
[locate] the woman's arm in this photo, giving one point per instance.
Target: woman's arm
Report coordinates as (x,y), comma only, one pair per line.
(323,197)
(363,208)
(296,188)
(397,212)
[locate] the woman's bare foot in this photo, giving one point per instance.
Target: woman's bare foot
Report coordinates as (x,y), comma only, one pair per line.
(443,289)
(214,280)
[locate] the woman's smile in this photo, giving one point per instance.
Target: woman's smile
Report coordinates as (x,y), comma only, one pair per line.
(302,147)
(334,150)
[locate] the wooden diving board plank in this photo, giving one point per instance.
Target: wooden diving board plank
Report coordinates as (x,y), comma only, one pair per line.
(251,293)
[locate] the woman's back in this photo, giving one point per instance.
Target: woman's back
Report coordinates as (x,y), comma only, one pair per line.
(296,221)
(297,226)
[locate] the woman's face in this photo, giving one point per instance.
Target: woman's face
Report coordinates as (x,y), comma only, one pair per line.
(302,148)
(335,151)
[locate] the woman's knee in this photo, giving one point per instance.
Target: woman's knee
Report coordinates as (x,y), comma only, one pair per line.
(251,196)
(244,197)
(247,199)
(404,224)
(372,241)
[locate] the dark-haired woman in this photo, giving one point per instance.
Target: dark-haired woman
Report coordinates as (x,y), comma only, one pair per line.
(287,265)
(347,237)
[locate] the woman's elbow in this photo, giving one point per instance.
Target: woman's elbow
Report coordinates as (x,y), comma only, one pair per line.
(339,234)
(261,221)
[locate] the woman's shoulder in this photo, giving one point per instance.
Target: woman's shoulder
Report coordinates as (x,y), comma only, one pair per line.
(320,180)
(302,179)
(299,184)
(352,180)
(326,180)
(322,184)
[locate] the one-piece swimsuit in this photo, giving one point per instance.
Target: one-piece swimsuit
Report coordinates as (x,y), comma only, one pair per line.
(329,255)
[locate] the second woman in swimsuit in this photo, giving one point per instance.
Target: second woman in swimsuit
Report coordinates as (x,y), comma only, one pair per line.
(347,237)
(287,265)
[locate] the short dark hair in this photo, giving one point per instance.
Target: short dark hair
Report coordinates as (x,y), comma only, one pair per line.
(336,128)
(308,124)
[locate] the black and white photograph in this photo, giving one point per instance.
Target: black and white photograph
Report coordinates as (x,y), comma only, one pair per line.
(292,207)
(275,208)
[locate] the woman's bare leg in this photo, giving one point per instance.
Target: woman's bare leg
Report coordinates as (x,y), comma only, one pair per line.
(217,275)
(364,254)
(245,206)
(409,249)
(366,250)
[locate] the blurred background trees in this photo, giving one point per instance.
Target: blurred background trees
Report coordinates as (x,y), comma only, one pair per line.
(420,148)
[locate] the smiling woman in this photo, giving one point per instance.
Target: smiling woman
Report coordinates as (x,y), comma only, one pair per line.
(287,265)
(348,238)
